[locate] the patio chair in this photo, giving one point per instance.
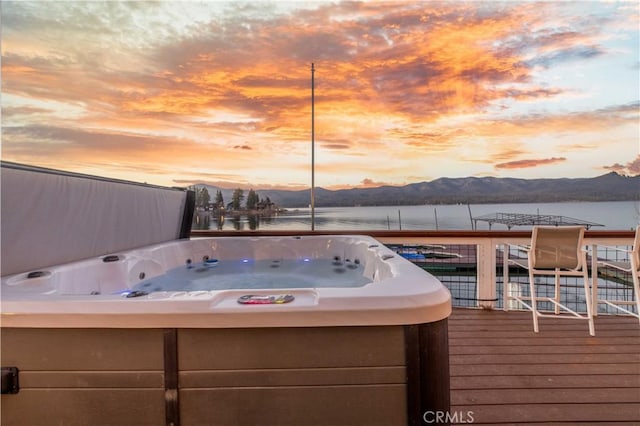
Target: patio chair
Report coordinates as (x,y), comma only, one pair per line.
(557,252)
(632,266)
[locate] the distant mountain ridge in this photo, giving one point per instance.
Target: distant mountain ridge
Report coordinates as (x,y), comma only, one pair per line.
(472,190)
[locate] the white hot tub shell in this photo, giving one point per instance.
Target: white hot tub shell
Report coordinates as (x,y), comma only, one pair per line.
(92,293)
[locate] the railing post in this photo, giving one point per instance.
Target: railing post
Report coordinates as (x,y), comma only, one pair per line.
(594,279)
(486,262)
(506,249)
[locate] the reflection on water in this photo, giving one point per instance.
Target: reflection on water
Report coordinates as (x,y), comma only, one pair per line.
(618,215)
(239,222)
(201,221)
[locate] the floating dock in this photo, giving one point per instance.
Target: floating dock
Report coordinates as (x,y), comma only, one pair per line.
(522,219)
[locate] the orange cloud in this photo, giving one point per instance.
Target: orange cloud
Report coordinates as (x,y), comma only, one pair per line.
(370,183)
(522,164)
(396,82)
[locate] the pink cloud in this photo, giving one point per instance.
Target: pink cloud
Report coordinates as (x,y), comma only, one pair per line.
(632,168)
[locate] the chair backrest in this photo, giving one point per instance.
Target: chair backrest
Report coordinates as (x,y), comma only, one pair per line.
(557,247)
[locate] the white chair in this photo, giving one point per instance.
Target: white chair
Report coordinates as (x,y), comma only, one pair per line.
(557,252)
(632,266)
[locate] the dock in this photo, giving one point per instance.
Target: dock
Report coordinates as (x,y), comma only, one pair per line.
(522,219)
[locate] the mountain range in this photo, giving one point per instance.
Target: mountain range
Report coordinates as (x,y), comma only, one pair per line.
(472,190)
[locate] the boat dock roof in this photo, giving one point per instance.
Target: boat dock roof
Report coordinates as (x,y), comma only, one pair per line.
(523,219)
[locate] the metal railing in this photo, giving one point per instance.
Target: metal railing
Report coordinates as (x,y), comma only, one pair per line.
(473,265)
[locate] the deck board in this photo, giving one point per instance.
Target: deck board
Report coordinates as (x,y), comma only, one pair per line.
(504,373)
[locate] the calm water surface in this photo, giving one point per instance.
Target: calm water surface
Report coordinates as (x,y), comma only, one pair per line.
(619,215)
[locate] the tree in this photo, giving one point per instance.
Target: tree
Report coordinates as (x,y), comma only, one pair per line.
(265,204)
(219,199)
(202,196)
(236,199)
(252,200)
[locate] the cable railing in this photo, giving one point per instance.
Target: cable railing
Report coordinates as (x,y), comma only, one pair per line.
(473,264)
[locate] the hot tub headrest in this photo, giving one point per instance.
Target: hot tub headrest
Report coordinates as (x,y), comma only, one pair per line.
(49,217)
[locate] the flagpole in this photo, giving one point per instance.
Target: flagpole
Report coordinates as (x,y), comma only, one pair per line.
(313,160)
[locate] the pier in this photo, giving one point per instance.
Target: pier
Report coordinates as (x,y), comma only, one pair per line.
(522,219)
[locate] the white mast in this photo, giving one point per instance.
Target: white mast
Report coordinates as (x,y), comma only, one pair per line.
(313,165)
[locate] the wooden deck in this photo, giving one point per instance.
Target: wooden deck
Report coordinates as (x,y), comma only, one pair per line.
(504,373)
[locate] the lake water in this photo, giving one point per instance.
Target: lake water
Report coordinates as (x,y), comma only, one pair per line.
(618,215)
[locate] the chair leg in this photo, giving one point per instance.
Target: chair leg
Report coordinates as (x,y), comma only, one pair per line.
(587,299)
(534,307)
(636,285)
(557,292)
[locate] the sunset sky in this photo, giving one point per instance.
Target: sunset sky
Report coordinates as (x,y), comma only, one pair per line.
(174,93)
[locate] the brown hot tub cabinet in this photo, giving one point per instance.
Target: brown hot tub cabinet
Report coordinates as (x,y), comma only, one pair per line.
(352,375)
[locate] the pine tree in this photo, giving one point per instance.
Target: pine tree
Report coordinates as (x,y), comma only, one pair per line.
(203,198)
(252,200)
(236,199)
(219,199)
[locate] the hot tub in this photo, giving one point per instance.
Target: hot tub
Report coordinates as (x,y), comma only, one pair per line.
(325,330)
